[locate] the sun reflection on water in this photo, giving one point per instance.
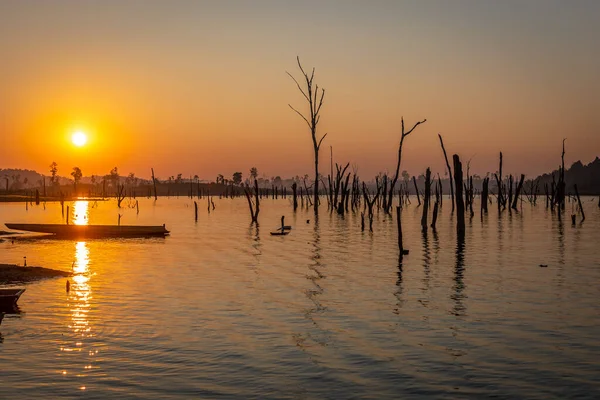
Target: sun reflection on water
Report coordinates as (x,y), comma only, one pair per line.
(80,213)
(79,304)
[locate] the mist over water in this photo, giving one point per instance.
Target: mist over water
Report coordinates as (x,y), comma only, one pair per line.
(221,308)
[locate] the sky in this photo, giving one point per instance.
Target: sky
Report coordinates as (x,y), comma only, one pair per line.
(200,87)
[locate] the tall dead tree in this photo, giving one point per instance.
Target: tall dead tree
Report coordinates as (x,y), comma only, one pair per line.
(315,101)
(518,192)
(449,171)
(254,206)
(416,190)
(395,178)
(426,199)
(120,194)
(460,204)
(484,195)
(499,183)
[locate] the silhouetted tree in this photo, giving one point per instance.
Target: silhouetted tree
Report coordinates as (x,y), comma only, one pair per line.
(315,101)
(237,178)
(253,173)
(53,172)
(395,178)
(76,174)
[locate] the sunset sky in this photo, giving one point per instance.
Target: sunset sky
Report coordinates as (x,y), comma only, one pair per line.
(199,87)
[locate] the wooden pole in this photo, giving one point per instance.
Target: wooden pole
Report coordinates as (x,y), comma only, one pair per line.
(196,210)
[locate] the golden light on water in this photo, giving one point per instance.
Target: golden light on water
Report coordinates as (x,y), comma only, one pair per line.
(81,213)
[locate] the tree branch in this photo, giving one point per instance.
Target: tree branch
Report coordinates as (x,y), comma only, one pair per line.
(300,114)
(413,128)
(297,84)
(319,145)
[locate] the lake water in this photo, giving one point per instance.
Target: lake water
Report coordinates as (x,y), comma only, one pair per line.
(222,309)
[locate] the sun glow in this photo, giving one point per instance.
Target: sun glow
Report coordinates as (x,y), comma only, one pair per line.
(79,138)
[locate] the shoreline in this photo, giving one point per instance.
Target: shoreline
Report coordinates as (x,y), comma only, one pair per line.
(15,274)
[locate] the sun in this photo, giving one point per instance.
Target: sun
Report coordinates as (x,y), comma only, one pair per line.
(79,138)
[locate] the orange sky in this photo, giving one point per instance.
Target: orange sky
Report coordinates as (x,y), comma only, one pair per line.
(200,88)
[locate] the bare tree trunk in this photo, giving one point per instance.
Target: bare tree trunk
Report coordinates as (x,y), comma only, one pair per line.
(484,195)
(311,94)
(435,214)
(426,200)
(449,171)
(395,179)
(399,223)
(579,202)
(518,192)
(294,187)
(460,205)
(416,189)
(154,183)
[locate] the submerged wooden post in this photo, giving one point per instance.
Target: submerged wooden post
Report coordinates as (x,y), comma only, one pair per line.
(67,215)
(196,210)
(137,206)
(460,204)
(37,197)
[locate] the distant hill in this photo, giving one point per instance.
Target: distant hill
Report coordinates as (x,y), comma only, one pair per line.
(24,179)
(587,178)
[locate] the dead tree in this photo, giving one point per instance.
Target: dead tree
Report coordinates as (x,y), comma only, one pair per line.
(579,202)
(315,101)
(449,171)
(395,179)
(153,183)
(370,202)
(294,187)
(460,204)
(435,214)
(484,195)
(254,206)
(499,183)
(518,192)
(416,189)
(120,194)
(426,200)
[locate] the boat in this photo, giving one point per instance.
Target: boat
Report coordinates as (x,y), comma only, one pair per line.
(9,298)
(92,231)
(279,233)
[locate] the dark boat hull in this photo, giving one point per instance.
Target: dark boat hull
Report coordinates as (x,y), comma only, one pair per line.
(9,298)
(92,231)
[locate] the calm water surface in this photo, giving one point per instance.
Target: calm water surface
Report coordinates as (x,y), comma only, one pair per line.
(222,309)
